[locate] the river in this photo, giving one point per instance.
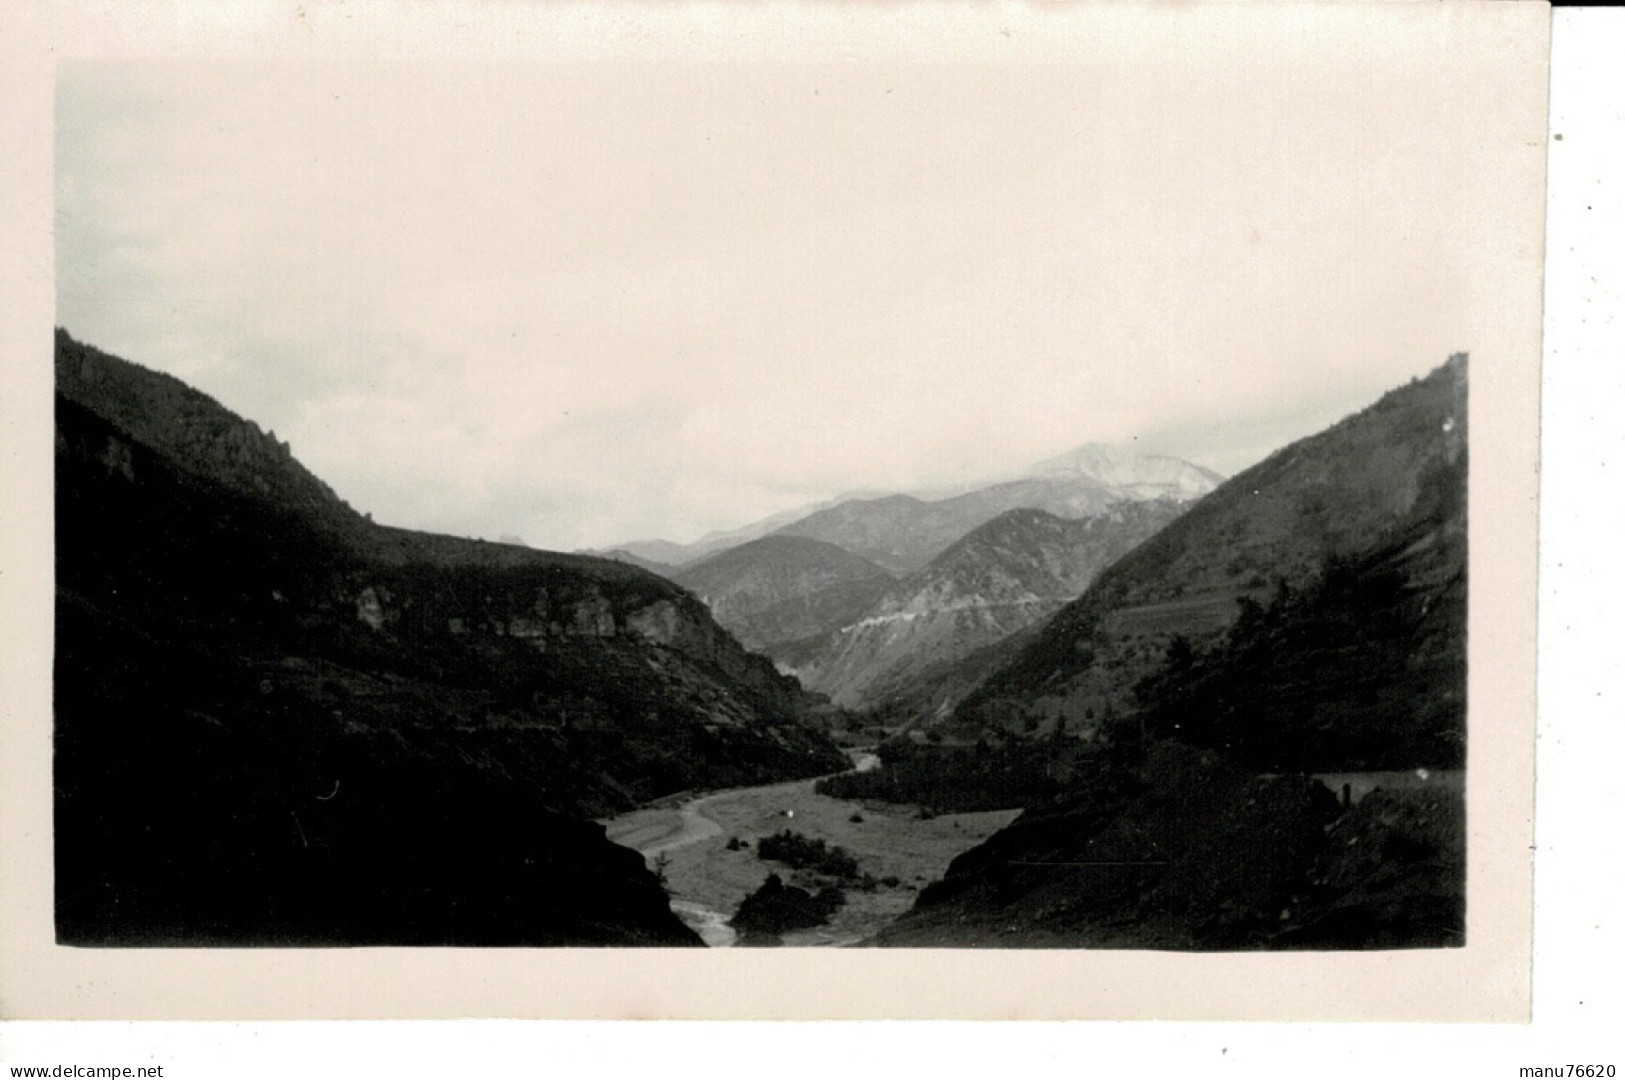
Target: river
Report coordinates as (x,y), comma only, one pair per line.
(688,844)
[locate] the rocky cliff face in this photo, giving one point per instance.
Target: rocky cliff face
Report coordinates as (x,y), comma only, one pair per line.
(301,685)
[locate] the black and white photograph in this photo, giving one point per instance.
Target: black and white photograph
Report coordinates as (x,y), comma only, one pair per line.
(1011,491)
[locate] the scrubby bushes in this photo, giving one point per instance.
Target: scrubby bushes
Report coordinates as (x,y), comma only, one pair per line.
(805,853)
(777,908)
(960,779)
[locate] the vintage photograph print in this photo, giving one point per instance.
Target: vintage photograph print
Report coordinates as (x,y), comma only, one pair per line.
(1004,491)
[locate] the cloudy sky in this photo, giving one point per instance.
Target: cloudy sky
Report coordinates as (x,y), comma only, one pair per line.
(588,301)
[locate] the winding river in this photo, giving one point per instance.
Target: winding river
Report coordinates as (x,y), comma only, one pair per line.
(704,850)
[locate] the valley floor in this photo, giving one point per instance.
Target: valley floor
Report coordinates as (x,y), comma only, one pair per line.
(707,881)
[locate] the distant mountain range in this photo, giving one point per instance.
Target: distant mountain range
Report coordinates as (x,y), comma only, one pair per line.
(902,532)
(1003,576)
(868,599)
(280,723)
(672,555)
(654,566)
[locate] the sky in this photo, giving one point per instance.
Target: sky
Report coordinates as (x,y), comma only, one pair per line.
(596,300)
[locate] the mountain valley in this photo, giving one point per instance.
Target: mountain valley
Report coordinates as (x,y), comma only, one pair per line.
(871,599)
(1115,703)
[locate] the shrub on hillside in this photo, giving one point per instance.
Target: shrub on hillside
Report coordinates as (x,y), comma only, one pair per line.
(777,908)
(960,779)
(805,853)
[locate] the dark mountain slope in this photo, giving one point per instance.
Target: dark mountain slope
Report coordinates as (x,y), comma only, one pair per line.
(1188,821)
(1362,671)
(782,588)
(1386,486)
(278,721)
(1170,847)
(197,805)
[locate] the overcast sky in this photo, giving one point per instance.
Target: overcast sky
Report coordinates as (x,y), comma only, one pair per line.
(587,302)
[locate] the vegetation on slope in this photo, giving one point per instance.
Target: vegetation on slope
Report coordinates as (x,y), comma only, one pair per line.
(1169,847)
(1391,479)
(1307,617)
(779,589)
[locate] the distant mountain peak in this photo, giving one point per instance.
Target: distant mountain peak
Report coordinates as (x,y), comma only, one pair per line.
(1136,473)
(903,531)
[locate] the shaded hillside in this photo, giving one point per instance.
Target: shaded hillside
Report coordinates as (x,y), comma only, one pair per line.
(383,735)
(1385,487)
(944,777)
(782,588)
(1364,670)
(1307,617)
(1174,848)
(202,801)
(1003,576)
(931,695)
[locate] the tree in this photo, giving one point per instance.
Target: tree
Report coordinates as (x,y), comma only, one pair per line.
(1249,620)
(1181,656)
